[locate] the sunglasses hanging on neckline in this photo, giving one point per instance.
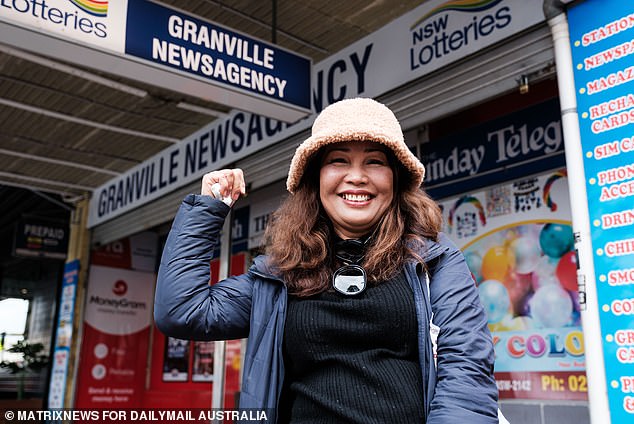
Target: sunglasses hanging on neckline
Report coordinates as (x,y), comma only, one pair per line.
(349,280)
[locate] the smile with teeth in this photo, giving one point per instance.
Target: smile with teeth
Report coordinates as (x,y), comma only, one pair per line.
(355,197)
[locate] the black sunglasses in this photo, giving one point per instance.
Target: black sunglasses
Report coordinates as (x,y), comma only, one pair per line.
(350,279)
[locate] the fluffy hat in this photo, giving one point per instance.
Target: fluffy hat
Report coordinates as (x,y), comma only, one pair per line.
(355,120)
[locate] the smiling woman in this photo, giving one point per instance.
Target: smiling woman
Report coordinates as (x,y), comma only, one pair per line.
(347,260)
(356,186)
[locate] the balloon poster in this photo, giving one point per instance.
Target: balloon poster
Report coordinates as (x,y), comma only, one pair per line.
(518,242)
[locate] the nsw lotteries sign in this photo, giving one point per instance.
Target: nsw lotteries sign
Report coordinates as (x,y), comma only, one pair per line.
(602,39)
(229,64)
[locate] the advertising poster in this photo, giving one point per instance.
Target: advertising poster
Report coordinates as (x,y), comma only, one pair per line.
(138,252)
(176,360)
(602,44)
(115,338)
(233,364)
(64,334)
(203,369)
(41,238)
(518,242)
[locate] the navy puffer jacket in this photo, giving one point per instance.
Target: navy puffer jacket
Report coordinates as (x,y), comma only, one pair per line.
(253,305)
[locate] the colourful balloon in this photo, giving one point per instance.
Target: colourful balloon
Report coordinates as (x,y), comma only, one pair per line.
(574,296)
(517,323)
(544,273)
(497,262)
(524,307)
(567,271)
(519,287)
(556,239)
(474,262)
(503,324)
(527,253)
(551,307)
(495,299)
(576,308)
(511,323)
(523,323)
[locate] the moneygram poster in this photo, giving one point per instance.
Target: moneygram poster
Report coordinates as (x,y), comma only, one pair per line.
(116,337)
(116,328)
(518,242)
(602,44)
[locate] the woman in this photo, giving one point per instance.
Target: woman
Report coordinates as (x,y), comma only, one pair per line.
(338,311)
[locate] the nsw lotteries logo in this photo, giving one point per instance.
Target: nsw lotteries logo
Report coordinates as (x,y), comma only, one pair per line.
(453,26)
(458,6)
(97,8)
(120,288)
(77,19)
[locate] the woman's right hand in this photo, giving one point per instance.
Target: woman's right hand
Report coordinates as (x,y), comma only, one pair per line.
(231,183)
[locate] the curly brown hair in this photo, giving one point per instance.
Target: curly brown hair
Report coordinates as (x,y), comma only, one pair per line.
(299,237)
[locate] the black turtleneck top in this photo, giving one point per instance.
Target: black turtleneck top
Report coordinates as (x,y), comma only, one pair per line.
(353,359)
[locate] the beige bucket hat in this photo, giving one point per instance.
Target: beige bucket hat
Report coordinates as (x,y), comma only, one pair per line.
(355,120)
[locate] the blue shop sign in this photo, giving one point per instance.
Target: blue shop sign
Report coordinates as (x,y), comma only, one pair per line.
(523,143)
(172,38)
(602,43)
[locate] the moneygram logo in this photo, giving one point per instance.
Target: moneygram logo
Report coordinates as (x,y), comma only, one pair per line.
(120,288)
(459,6)
(97,8)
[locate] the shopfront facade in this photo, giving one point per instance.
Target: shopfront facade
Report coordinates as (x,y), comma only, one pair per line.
(476,94)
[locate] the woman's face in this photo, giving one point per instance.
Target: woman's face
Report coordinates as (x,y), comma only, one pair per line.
(355,186)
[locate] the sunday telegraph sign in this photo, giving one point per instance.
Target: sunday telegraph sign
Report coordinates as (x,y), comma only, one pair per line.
(602,42)
(522,143)
(418,43)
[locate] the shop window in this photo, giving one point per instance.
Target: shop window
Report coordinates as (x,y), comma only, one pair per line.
(13,316)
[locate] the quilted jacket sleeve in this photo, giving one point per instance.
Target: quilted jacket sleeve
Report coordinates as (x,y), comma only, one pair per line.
(465,387)
(185,305)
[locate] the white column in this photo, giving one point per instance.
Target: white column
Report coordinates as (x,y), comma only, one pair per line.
(595,368)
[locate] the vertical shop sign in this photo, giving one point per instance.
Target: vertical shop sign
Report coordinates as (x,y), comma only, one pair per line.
(64,336)
(602,43)
(519,246)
